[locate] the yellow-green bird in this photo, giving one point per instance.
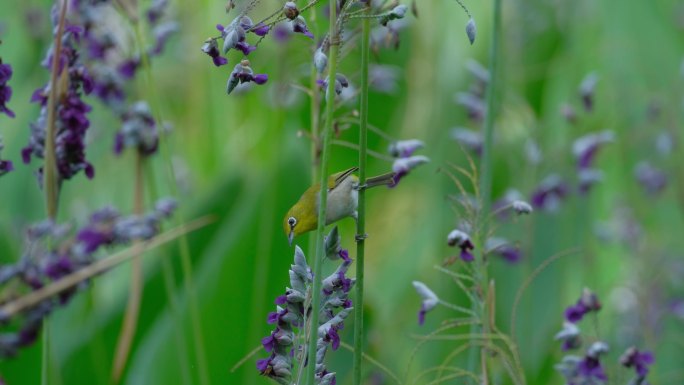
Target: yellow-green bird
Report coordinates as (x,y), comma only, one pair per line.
(343,198)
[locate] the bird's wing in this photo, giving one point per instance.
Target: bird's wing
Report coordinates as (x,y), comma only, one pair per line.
(335,179)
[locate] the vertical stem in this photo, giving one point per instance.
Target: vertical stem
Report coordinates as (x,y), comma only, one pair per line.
(323,201)
(184,248)
(136,287)
(361,221)
(485,188)
(50,177)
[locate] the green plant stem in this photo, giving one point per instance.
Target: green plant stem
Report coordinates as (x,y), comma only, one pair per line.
(485,188)
(170,287)
(50,177)
(130,322)
(184,248)
(361,221)
(323,201)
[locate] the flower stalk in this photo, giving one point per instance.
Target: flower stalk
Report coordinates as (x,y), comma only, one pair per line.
(485,185)
(361,221)
(325,157)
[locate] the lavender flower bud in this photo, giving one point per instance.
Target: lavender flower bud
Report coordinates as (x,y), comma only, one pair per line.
(290,10)
(597,349)
(585,148)
(320,60)
(471,30)
(299,26)
(570,335)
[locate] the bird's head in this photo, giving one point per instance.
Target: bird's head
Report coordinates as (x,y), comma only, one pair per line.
(298,220)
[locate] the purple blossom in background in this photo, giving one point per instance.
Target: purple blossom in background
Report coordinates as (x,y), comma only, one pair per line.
(586,147)
(640,361)
(473,104)
(405,148)
(570,336)
(469,139)
(5,165)
(549,193)
(652,179)
(585,370)
(587,89)
(384,78)
(462,240)
(430,300)
(587,303)
(54,251)
(587,178)
(137,131)
(568,113)
(5,89)
(402,166)
(503,249)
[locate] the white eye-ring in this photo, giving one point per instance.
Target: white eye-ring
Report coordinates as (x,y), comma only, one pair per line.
(292,221)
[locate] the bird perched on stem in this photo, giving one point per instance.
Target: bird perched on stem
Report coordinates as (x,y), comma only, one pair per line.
(343,197)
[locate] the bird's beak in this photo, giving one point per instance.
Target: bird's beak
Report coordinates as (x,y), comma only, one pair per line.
(290,237)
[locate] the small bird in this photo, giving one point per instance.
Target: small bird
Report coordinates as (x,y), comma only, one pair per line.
(343,198)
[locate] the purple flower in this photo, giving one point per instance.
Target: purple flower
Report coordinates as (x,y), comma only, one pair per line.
(281,300)
(549,193)
(138,130)
(430,300)
(344,254)
(162,33)
(474,105)
(299,26)
(587,303)
(245,48)
(652,179)
(585,148)
(264,364)
(333,337)
(639,360)
(242,73)
(469,139)
(260,29)
(570,335)
(588,177)
(5,89)
(461,240)
(586,91)
(156,11)
(5,167)
(269,341)
(402,166)
(128,68)
(210,47)
(405,148)
(590,368)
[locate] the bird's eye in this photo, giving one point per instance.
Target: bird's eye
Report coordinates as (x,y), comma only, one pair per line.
(292,221)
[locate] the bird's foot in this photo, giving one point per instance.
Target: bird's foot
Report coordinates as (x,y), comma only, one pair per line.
(360,187)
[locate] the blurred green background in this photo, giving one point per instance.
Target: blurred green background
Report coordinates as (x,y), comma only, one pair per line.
(240,158)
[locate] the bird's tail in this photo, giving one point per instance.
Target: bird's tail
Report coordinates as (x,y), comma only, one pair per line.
(380,180)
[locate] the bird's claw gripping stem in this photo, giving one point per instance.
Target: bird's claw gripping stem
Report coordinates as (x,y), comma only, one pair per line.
(360,237)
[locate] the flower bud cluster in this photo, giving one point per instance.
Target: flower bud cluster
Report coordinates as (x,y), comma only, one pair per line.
(291,310)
